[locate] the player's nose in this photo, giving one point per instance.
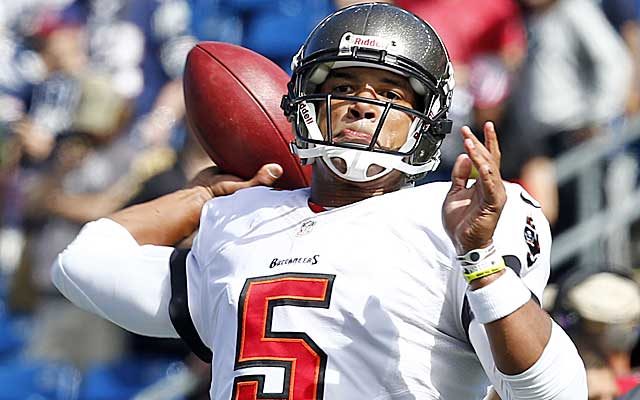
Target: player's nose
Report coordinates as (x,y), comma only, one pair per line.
(361,110)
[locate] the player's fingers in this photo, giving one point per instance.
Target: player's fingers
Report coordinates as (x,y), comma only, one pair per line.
(460,173)
(473,147)
(267,175)
(478,153)
(472,142)
(489,178)
(223,185)
(491,141)
(490,181)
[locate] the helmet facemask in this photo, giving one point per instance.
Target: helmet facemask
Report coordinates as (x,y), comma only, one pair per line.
(367,160)
(358,158)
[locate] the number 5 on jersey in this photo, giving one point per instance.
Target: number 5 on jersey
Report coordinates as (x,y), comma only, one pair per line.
(258,346)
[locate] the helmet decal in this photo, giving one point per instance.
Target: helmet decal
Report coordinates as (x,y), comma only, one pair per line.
(351,40)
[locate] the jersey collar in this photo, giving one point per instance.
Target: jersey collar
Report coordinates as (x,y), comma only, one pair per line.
(316,208)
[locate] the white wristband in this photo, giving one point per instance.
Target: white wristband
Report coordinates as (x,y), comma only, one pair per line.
(477,255)
(499,298)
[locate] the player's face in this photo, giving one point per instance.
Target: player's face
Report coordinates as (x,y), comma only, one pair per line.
(356,122)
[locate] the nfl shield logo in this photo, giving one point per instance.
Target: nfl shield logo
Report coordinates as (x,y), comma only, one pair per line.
(306,228)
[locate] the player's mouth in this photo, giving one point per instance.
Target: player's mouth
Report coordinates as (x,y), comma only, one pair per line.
(348,135)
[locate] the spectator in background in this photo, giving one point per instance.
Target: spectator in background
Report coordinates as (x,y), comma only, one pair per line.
(472,28)
(60,42)
(574,81)
(140,47)
(624,15)
(601,380)
(633,394)
(167,27)
(20,69)
(113,83)
(121,131)
(482,36)
(95,169)
(600,310)
(41,58)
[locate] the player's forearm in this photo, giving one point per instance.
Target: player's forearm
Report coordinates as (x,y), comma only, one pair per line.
(173,217)
(526,329)
(166,220)
(518,340)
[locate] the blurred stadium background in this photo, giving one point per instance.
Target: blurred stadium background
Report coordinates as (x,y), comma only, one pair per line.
(91,115)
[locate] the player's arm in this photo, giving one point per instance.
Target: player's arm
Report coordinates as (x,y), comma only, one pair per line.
(169,219)
(118,267)
(518,333)
(106,272)
(523,240)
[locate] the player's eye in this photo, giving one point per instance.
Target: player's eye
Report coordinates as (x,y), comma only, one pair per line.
(391,95)
(343,89)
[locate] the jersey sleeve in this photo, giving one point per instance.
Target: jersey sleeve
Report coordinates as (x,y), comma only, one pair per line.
(523,238)
(106,272)
(184,307)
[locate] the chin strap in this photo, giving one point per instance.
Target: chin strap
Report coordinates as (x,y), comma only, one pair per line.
(358,162)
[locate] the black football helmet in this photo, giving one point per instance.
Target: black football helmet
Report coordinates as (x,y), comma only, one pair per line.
(373,35)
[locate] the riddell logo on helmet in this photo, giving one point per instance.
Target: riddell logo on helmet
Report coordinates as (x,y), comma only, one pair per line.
(306,114)
(350,40)
(367,42)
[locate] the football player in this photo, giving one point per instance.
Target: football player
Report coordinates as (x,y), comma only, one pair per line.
(362,286)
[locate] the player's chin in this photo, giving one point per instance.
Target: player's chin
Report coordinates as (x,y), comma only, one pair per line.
(392,181)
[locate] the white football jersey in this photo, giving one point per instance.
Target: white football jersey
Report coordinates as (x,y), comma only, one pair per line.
(364,301)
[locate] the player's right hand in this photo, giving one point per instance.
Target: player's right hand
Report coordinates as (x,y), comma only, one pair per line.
(470,213)
(217,183)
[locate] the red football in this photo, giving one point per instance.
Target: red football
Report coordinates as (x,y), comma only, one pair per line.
(232,96)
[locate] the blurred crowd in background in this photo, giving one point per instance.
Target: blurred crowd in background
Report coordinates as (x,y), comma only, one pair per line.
(91,120)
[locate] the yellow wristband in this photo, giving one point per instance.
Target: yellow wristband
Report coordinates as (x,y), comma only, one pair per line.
(476,274)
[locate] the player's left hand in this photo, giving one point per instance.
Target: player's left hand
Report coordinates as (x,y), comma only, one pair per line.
(217,183)
(470,214)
